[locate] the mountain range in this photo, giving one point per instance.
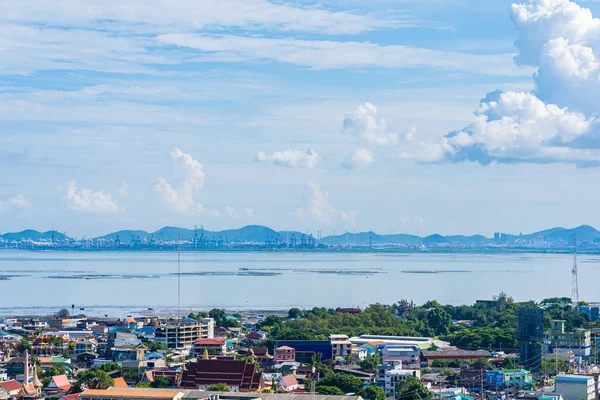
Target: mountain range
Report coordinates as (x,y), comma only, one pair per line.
(259,234)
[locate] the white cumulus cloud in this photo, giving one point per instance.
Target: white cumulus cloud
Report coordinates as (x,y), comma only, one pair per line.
(291,158)
(180,195)
(18,202)
(233,213)
(88,200)
(359,159)
(366,124)
(558,120)
(316,207)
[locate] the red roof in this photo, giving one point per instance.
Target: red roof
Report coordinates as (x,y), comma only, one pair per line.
(232,372)
(211,342)
(11,385)
(288,380)
(71,396)
(284,348)
(62,382)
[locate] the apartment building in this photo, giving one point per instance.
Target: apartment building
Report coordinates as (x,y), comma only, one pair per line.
(182,335)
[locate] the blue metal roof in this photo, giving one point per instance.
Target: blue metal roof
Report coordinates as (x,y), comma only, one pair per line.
(574,378)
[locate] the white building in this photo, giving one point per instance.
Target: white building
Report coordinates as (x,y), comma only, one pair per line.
(421,342)
(391,375)
(575,387)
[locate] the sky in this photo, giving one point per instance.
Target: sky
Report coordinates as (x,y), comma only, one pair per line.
(413,116)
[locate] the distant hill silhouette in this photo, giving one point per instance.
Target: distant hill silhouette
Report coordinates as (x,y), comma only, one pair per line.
(33,235)
(259,234)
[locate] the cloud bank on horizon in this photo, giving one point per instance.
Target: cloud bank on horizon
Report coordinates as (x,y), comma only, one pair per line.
(555,123)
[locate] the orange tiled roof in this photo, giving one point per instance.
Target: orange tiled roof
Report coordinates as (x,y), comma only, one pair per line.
(129,393)
(120,383)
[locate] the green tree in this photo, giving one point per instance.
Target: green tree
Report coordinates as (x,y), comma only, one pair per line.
(155,346)
(219,387)
(433,347)
(143,385)
(330,390)
(63,313)
(25,345)
(439,320)
(161,382)
(93,379)
(372,393)
(370,363)
(218,315)
(412,389)
(294,313)
(510,363)
(346,383)
(111,366)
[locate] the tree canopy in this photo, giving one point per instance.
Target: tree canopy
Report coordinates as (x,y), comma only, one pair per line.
(219,387)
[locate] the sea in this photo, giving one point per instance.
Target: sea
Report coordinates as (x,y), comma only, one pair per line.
(115,284)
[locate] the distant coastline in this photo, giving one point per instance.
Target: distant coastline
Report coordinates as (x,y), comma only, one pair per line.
(339,250)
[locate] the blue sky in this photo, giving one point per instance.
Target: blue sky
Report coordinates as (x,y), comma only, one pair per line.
(330,115)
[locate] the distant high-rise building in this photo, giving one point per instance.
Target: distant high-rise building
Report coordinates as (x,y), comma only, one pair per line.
(530,334)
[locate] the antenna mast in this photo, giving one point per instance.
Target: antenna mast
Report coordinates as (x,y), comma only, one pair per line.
(575,285)
(178,280)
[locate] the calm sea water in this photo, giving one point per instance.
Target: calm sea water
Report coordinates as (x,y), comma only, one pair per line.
(119,283)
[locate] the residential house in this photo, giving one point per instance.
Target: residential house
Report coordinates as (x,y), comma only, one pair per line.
(129,352)
(133,370)
(58,383)
(391,375)
(13,387)
(216,346)
(238,375)
(340,345)
(262,356)
(284,354)
(368,349)
(289,367)
(287,383)
(86,346)
(155,355)
(256,336)
(306,350)
(99,330)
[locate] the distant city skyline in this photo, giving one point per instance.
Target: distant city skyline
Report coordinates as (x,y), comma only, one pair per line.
(300,115)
